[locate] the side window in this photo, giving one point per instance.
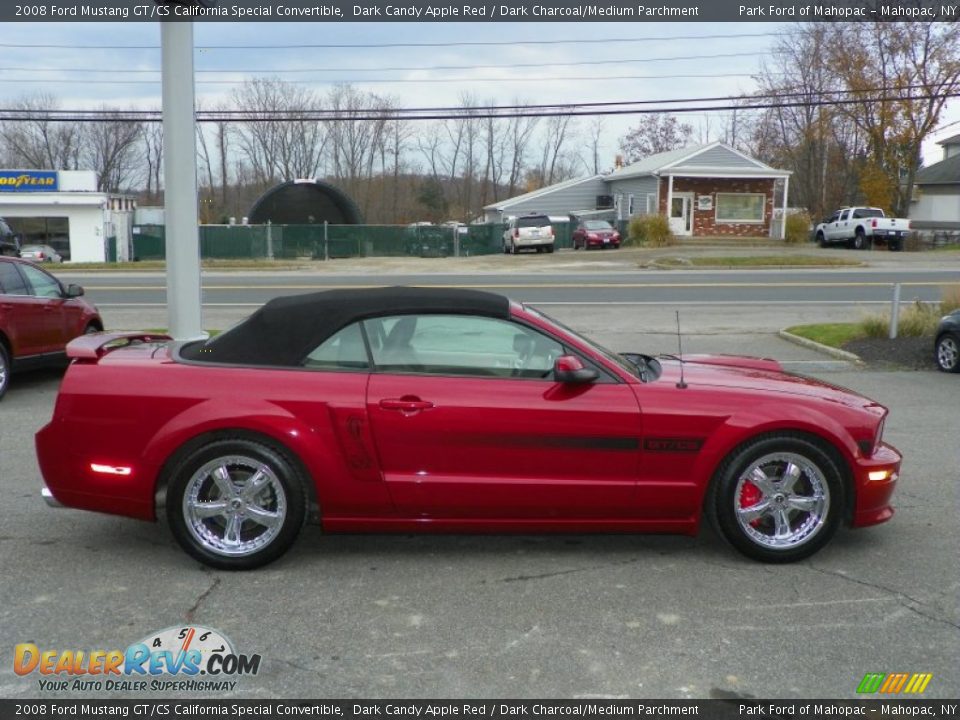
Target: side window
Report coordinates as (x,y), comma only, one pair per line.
(11,281)
(43,285)
(461,345)
(344,350)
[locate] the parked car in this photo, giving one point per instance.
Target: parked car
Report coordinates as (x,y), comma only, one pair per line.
(860,227)
(595,233)
(439,410)
(40,253)
(9,240)
(38,317)
(528,231)
(946,346)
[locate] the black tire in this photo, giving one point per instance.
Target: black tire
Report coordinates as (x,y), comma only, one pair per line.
(896,245)
(946,353)
(506,248)
(860,240)
(5,370)
(822,240)
(194,492)
(817,485)
(549,248)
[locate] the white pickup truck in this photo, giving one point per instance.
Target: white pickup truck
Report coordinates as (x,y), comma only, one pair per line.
(860,227)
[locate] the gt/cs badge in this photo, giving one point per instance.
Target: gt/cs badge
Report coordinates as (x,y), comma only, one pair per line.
(672,445)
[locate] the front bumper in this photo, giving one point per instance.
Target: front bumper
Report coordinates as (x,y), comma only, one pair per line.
(873,496)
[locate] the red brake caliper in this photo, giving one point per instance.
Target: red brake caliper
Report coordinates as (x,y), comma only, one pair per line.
(750,495)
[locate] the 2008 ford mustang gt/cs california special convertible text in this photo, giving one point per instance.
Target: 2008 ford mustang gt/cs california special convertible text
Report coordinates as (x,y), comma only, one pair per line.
(428,410)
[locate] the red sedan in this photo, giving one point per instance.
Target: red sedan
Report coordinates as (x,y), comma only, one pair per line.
(595,234)
(433,410)
(38,317)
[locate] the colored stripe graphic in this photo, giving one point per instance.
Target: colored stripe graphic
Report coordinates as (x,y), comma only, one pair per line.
(894,683)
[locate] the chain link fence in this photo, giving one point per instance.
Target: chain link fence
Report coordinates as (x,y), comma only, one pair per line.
(327,242)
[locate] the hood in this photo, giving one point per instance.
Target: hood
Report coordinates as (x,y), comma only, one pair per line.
(751,373)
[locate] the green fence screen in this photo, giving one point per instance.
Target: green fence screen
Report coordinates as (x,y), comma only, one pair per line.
(320,242)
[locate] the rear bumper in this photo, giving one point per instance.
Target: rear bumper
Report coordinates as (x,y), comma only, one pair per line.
(49,499)
(873,495)
(522,242)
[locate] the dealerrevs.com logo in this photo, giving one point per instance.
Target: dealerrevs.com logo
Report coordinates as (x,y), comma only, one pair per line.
(175,659)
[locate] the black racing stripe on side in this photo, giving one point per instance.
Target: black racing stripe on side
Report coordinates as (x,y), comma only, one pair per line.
(579,442)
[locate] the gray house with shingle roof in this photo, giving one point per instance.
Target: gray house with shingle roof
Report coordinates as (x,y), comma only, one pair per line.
(705,190)
(936,196)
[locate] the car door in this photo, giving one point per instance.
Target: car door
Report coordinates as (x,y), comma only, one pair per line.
(468,424)
(59,315)
(22,315)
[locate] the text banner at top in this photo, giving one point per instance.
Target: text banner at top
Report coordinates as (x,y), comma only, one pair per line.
(481,11)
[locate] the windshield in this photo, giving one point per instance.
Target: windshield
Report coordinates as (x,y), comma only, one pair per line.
(613,357)
(539,221)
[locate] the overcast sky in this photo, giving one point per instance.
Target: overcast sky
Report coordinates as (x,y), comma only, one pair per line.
(585,62)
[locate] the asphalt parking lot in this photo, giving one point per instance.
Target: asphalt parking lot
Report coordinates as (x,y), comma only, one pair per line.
(520,616)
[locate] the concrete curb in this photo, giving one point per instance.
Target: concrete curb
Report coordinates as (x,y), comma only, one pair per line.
(820,347)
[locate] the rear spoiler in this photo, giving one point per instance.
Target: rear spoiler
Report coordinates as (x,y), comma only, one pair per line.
(96,345)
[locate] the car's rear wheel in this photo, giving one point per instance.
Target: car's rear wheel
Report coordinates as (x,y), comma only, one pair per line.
(947,353)
(821,240)
(777,499)
(236,504)
(4,369)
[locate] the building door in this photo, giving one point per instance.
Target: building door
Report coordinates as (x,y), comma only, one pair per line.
(681,214)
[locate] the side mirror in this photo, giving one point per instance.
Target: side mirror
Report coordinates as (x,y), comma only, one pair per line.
(74,290)
(570,369)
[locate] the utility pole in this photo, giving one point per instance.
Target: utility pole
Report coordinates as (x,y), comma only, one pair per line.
(184,307)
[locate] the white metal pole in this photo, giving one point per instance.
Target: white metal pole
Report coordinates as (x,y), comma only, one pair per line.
(180,182)
(783,224)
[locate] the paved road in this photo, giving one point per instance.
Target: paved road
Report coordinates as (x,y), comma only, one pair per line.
(565,616)
(797,287)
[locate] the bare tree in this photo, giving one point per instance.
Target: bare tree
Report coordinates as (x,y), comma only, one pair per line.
(152,137)
(108,148)
(555,166)
(274,150)
(594,138)
(41,142)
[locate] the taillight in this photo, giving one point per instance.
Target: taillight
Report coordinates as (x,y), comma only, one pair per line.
(40,255)
(516,232)
(551,231)
(874,223)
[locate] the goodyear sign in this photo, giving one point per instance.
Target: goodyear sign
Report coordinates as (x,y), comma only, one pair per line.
(28,181)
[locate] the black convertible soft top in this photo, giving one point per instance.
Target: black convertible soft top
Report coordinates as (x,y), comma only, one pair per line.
(286,329)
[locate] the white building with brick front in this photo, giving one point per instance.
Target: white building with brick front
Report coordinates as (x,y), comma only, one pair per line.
(706,190)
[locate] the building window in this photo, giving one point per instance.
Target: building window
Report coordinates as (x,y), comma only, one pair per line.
(740,207)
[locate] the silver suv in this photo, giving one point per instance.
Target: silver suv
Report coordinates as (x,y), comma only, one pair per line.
(528,231)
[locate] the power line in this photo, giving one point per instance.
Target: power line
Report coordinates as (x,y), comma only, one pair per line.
(398,114)
(410,68)
(398,81)
(460,112)
(367,46)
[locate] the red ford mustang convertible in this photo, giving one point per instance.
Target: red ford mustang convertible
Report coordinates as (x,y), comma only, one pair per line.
(429,410)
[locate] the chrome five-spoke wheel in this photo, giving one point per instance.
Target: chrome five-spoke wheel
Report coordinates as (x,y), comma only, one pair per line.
(236,504)
(782,500)
(778,498)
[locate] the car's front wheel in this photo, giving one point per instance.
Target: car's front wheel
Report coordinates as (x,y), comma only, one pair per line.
(236,504)
(947,353)
(777,499)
